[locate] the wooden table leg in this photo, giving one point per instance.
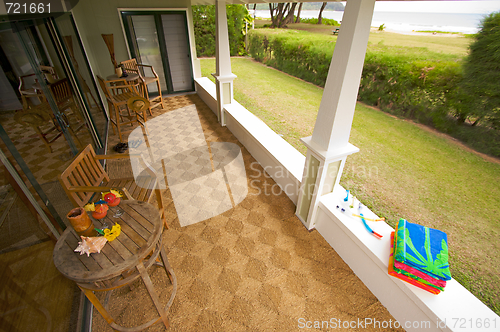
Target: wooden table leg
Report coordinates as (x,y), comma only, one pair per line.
(97,304)
(152,293)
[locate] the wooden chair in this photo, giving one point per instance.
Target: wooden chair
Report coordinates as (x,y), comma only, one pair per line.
(41,120)
(63,96)
(117,93)
(50,73)
(85,176)
(132,66)
(27,91)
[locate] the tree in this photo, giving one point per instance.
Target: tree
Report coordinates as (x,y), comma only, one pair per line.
(204,29)
(281,14)
(482,74)
(320,16)
(297,20)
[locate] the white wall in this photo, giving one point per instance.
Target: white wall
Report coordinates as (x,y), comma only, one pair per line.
(96,17)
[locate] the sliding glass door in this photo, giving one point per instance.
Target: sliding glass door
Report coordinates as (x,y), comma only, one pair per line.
(160,39)
(67,41)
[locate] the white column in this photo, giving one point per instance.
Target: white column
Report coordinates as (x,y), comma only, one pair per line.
(329,145)
(223,76)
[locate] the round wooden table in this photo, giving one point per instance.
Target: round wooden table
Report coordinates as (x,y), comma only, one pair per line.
(121,261)
(130,78)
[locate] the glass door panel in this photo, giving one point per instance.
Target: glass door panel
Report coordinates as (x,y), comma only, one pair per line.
(161,39)
(34,296)
(73,57)
(179,60)
(148,46)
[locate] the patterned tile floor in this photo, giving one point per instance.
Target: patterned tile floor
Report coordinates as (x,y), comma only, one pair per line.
(253,267)
(44,165)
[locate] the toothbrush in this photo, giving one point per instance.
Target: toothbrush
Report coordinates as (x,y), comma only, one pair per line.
(347,197)
(379,219)
(371,231)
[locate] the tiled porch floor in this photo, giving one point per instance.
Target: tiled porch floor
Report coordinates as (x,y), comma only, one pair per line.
(251,268)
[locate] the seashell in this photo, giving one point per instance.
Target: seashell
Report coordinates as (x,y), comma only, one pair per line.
(91,245)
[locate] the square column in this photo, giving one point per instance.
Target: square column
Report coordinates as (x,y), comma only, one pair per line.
(322,172)
(223,76)
(224,88)
(328,147)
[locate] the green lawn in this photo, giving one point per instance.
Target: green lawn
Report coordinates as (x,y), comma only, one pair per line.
(446,44)
(401,171)
(450,44)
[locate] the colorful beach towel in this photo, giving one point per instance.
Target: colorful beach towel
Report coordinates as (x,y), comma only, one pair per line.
(423,248)
(398,266)
(408,277)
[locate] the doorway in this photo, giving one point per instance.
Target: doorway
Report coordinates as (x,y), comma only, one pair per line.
(161,39)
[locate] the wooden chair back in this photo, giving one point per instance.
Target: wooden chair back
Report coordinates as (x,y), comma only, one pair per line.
(116,87)
(51,72)
(84,171)
(26,83)
(61,91)
(139,68)
(103,86)
(130,65)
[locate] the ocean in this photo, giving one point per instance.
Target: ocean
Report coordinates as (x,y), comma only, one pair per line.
(407,21)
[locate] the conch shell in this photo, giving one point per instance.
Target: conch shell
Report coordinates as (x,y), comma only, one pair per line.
(90,245)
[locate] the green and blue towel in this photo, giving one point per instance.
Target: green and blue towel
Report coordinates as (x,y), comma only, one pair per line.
(423,248)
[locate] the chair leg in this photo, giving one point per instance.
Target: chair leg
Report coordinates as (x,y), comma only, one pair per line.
(159,92)
(146,95)
(47,144)
(110,108)
(117,115)
(161,208)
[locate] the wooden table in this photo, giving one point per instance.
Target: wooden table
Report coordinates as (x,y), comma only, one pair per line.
(121,261)
(130,78)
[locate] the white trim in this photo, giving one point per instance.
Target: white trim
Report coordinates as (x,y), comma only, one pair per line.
(329,155)
(225,79)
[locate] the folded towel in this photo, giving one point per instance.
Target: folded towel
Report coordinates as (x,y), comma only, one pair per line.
(406,276)
(423,248)
(420,274)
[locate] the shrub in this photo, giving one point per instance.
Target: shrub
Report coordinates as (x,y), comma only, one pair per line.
(204,29)
(297,53)
(324,21)
(482,74)
(407,82)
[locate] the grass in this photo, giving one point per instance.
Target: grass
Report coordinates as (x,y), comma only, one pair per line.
(438,31)
(450,44)
(444,44)
(402,170)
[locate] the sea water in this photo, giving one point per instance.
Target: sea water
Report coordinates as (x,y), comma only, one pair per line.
(407,21)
